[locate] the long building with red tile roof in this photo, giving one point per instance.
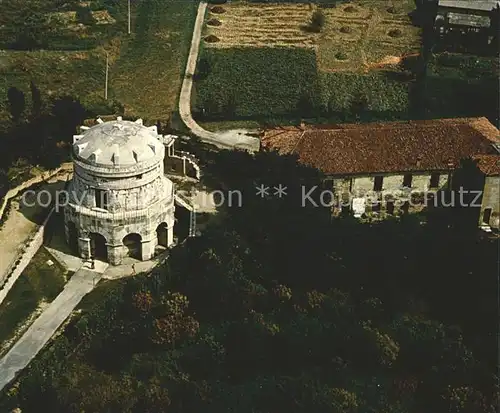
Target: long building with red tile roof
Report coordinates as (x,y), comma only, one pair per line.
(393,160)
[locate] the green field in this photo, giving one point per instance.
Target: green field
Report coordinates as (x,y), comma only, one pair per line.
(147,75)
(255,82)
(38,283)
(464,85)
(267,85)
(145,68)
(263,84)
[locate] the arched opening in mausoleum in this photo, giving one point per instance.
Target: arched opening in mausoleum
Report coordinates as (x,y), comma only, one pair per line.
(98,249)
(133,244)
(162,234)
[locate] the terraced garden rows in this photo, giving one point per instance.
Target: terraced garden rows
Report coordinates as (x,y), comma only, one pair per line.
(354,37)
(264,25)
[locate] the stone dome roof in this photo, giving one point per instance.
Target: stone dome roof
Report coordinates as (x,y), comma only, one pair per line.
(118,144)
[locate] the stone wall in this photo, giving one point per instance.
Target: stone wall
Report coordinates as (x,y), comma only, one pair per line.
(181,165)
(392,190)
(20,265)
(491,198)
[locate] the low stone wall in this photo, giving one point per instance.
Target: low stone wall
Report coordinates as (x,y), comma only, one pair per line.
(12,193)
(22,262)
(181,165)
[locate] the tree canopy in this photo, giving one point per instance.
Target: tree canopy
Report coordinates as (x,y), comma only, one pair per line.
(278,308)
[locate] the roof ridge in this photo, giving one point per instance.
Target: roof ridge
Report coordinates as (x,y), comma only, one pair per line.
(389,124)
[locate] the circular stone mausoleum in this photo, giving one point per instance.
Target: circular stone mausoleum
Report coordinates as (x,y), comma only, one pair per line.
(119,201)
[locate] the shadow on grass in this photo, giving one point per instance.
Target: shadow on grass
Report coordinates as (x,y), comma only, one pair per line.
(39,282)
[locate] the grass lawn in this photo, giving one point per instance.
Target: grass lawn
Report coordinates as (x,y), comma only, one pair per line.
(55,73)
(37,284)
(147,76)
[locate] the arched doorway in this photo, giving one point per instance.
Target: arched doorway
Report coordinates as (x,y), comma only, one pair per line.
(134,245)
(162,234)
(98,249)
(72,237)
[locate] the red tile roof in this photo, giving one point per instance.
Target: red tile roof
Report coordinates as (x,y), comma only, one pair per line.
(428,145)
(488,164)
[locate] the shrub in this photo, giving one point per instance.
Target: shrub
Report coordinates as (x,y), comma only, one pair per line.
(96,105)
(214,22)
(84,16)
(341,56)
(211,39)
(218,10)
(317,21)
(395,33)
(392,10)
(345,29)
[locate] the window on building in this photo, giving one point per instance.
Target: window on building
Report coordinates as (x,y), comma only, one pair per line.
(348,183)
(434,180)
(101,199)
(487,216)
(378,182)
(407,180)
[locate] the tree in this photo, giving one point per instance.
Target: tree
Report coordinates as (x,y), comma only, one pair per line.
(305,105)
(26,24)
(495,28)
(203,69)
(69,113)
(36,99)
(172,322)
(317,21)
(359,105)
(16,102)
(84,15)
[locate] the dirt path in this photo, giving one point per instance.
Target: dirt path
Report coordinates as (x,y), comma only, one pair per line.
(226,140)
(22,221)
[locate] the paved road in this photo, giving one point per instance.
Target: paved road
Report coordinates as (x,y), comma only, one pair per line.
(225,140)
(44,327)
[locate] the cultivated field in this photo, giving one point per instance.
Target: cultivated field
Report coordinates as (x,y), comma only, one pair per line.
(261,25)
(356,37)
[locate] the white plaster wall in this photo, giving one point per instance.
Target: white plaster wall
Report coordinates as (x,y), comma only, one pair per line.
(420,182)
(139,197)
(491,197)
(362,185)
